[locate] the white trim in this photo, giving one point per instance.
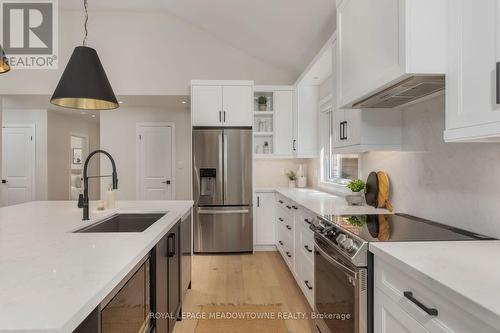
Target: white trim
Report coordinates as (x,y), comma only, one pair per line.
(222,83)
(264,248)
(325,47)
(328,100)
(272,88)
(33,158)
(137,155)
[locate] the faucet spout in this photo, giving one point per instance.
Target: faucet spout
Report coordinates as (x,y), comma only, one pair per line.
(83,199)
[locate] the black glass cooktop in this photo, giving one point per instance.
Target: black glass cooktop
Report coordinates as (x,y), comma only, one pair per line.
(400,228)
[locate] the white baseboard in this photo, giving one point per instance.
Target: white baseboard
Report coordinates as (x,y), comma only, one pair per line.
(261,248)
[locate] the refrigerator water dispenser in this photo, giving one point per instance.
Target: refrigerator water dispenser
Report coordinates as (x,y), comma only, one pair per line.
(208,178)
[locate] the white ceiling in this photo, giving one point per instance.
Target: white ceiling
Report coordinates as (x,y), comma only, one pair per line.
(284,33)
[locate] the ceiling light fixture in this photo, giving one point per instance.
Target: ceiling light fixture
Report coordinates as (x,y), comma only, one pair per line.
(183,102)
(84,84)
(4,62)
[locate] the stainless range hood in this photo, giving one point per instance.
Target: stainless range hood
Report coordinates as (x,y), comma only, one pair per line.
(408,90)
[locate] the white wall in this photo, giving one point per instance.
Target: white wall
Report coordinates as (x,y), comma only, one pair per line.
(146,54)
(453,183)
(38,117)
(326,88)
(60,128)
(118,137)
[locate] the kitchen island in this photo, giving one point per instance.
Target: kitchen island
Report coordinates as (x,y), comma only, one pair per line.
(51,278)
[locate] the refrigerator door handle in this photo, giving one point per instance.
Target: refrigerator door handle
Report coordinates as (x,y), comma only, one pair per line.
(218,212)
(224,143)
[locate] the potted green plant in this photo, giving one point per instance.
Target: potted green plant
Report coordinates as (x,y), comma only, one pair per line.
(262,101)
(358,187)
(292,178)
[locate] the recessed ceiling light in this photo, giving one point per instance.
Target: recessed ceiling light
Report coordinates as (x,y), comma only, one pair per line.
(120,102)
(93,116)
(83,112)
(183,102)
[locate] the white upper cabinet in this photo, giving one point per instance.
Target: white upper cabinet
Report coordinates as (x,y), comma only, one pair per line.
(283,126)
(222,103)
(206,104)
(305,142)
(472,112)
(383,42)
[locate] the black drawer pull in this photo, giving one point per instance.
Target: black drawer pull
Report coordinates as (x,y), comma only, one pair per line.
(429,311)
(281,220)
(295,207)
(307,248)
(280,201)
(281,243)
(307,285)
(289,207)
(288,227)
(307,221)
(288,254)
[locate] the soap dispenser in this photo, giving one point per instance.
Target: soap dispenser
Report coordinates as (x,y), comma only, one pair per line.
(110,198)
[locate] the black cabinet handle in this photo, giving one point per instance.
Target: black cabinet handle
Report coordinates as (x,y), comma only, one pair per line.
(307,285)
(289,207)
(341,134)
(307,248)
(343,130)
(281,243)
(288,254)
(280,219)
(307,221)
(498,83)
(288,227)
(220,116)
(429,311)
(224,112)
(258,201)
(295,207)
(171,245)
(4,181)
(280,201)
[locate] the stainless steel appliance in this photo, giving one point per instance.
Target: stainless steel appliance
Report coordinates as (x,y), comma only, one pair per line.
(343,267)
(222,180)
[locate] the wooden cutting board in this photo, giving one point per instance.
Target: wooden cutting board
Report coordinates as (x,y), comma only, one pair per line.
(383,191)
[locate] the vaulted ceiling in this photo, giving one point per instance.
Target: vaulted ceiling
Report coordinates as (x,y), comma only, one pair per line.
(283,33)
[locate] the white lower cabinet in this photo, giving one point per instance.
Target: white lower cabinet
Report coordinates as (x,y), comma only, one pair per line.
(405,301)
(264,225)
(295,242)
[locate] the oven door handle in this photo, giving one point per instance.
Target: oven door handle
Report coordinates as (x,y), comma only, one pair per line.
(334,262)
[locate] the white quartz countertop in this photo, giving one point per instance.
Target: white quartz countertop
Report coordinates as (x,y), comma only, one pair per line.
(466,268)
(322,203)
(50,278)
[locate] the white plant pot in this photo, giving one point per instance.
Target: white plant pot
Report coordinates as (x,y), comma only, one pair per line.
(354,199)
(291,184)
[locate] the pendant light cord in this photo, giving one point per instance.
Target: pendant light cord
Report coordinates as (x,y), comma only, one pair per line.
(85,6)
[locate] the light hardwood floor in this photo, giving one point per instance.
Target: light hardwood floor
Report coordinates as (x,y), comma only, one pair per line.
(261,278)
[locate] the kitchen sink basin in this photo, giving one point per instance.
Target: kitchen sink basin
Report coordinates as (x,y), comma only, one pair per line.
(123,223)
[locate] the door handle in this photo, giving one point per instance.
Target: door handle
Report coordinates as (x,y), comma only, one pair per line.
(341,134)
(258,201)
(288,227)
(220,116)
(166,182)
(216,212)
(171,245)
(307,285)
(307,221)
(280,219)
(4,181)
(281,243)
(293,145)
(224,114)
(288,254)
(429,311)
(307,248)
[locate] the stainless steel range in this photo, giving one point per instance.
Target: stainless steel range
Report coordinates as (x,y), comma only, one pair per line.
(344,267)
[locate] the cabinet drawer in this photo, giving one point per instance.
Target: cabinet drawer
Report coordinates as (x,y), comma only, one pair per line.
(304,269)
(451,317)
(305,217)
(285,245)
(285,203)
(391,318)
(304,242)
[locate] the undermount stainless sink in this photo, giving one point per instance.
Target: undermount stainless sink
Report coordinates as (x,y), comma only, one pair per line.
(123,223)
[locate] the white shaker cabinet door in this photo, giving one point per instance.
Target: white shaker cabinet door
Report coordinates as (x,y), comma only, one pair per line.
(265,219)
(207,105)
(472,112)
(237,106)
(283,127)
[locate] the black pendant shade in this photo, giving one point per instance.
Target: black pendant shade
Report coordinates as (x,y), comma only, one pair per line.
(84,84)
(4,63)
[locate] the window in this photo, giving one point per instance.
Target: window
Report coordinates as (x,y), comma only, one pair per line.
(337,168)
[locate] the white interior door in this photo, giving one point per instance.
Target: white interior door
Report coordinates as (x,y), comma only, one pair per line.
(155,160)
(18,164)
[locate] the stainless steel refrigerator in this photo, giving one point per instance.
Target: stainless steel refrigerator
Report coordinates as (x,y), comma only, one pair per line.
(222,179)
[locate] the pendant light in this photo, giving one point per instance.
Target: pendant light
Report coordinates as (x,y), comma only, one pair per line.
(84,84)
(4,62)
